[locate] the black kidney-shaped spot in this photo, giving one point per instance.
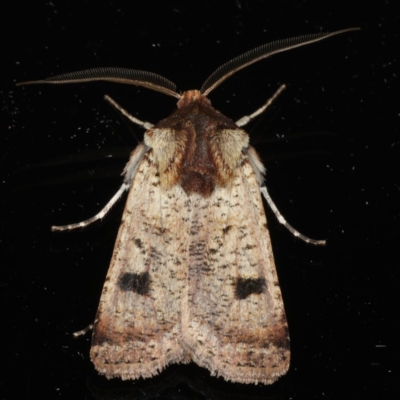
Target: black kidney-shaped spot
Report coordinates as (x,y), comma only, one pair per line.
(139,283)
(246,287)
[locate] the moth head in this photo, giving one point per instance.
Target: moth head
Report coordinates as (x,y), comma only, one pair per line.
(158,83)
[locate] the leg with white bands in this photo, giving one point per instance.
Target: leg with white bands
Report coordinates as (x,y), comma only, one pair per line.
(247,118)
(145,125)
(286,224)
(98,216)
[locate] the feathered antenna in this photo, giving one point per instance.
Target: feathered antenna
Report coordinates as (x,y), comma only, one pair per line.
(160,84)
(250,57)
(120,75)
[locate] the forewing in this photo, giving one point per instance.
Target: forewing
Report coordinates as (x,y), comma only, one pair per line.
(138,320)
(233,321)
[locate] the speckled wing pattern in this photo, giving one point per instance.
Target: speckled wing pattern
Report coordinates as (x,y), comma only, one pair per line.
(233,322)
(192,278)
(137,329)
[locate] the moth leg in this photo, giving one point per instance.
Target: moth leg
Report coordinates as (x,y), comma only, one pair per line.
(247,118)
(83,331)
(145,125)
(282,220)
(100,215)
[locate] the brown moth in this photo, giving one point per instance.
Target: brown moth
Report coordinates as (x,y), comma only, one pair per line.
(192,277)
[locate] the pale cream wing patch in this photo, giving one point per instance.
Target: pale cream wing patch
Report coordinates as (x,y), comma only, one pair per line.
(138,324)
(233,319)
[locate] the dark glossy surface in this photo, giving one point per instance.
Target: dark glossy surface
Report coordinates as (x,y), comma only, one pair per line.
(330,144)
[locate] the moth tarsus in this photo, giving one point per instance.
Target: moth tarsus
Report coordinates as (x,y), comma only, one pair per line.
(247,118)
(282,220)
(83,331)
(192,276)
(99,215)
(143,124)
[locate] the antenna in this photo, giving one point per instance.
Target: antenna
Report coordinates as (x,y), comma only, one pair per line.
(252,56)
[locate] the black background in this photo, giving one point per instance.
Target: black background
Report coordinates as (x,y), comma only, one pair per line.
(330,144)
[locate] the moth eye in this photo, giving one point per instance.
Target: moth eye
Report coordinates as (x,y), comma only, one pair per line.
(246,287)
(138,283)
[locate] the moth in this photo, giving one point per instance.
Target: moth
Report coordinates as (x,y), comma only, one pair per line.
(192,276)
